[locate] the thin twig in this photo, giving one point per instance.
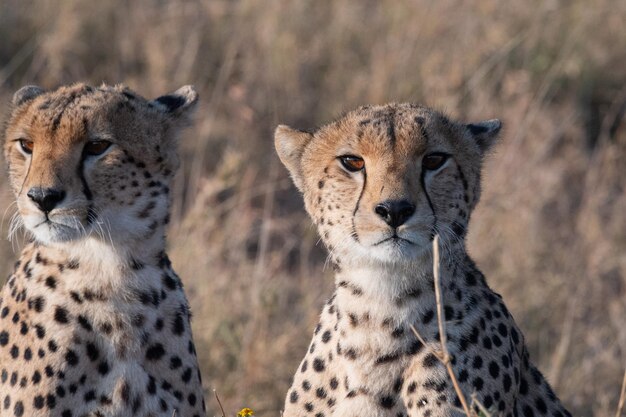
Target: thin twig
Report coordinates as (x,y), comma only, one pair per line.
(445,355)
(419,337)
(429,349)
(480,405)
(622,397)
(219,402)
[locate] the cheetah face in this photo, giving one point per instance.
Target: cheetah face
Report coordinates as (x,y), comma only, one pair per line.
(87,161)
(380,182)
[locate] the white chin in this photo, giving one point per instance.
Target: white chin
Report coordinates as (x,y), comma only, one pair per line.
(55,233)
(395,251)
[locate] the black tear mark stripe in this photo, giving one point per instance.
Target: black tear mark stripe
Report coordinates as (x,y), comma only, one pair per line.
(430,203)
(463,179)
(356,208)
(91,213)
(83,180)
(30,163)
(420,123)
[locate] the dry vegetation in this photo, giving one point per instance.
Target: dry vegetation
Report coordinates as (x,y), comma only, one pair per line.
(550,233)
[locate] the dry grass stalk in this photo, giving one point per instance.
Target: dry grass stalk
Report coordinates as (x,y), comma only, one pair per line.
(622,397)
(435,352)
(219,402)
(421,339)
(483,410)
(444,355)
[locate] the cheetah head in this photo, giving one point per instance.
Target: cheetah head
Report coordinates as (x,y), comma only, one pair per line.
(87,161)
(380,182)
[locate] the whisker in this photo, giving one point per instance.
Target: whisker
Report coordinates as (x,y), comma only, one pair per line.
(10,206)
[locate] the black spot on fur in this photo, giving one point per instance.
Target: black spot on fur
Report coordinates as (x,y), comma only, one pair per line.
(293,397)
(92,352)
(103,368)
(318,365)
(155,352)
(178,326)
(392,357)
(430,360)
(60,315)
(71,358)
(387,402)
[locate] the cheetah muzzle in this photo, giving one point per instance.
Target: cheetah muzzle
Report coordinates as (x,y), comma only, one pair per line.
(93,320)
(379,184)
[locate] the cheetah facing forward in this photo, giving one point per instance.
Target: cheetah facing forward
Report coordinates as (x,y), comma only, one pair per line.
(93,320)
(379,184)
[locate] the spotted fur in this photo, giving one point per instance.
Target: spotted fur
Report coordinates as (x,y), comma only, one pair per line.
(93,319)
(364,359)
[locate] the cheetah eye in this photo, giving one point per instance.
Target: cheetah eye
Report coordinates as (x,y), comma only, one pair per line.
(352,163)
(434,160)
(27,146)
(96,147)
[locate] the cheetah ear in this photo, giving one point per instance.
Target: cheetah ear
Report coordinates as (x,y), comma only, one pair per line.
(485,133)
(290,144)
(26,94)
(181,101)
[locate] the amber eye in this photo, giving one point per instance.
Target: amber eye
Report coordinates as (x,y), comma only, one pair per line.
(27,146)
(434,161)
(96,147)
(352,163)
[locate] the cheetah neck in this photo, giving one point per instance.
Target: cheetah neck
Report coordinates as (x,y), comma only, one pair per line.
(386,282)
(398,294)
(383,283)
(103,264)
(375,307)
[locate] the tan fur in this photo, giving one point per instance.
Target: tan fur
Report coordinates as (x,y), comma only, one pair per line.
(93,320)
(363,359)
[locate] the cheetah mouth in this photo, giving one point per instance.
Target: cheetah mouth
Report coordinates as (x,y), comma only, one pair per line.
(56,226)
(58,229)
(394,239)
(49,223)
(71,218)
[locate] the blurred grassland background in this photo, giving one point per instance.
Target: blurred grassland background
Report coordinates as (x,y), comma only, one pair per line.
(550,232)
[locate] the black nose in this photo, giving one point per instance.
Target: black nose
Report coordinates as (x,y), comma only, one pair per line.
(46,198)
(395,212)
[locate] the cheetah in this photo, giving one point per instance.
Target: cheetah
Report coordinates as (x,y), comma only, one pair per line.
(379,184)
(93,320)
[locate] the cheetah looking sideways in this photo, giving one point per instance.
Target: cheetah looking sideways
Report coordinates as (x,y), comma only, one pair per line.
(93,320)
(379,184)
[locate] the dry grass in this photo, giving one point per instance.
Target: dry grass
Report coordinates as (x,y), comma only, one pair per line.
(442,353)
(550,232)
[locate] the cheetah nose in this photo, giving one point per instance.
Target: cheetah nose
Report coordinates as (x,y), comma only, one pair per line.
(395,212)
(46,198)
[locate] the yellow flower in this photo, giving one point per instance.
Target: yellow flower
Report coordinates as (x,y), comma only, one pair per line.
(246,412)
